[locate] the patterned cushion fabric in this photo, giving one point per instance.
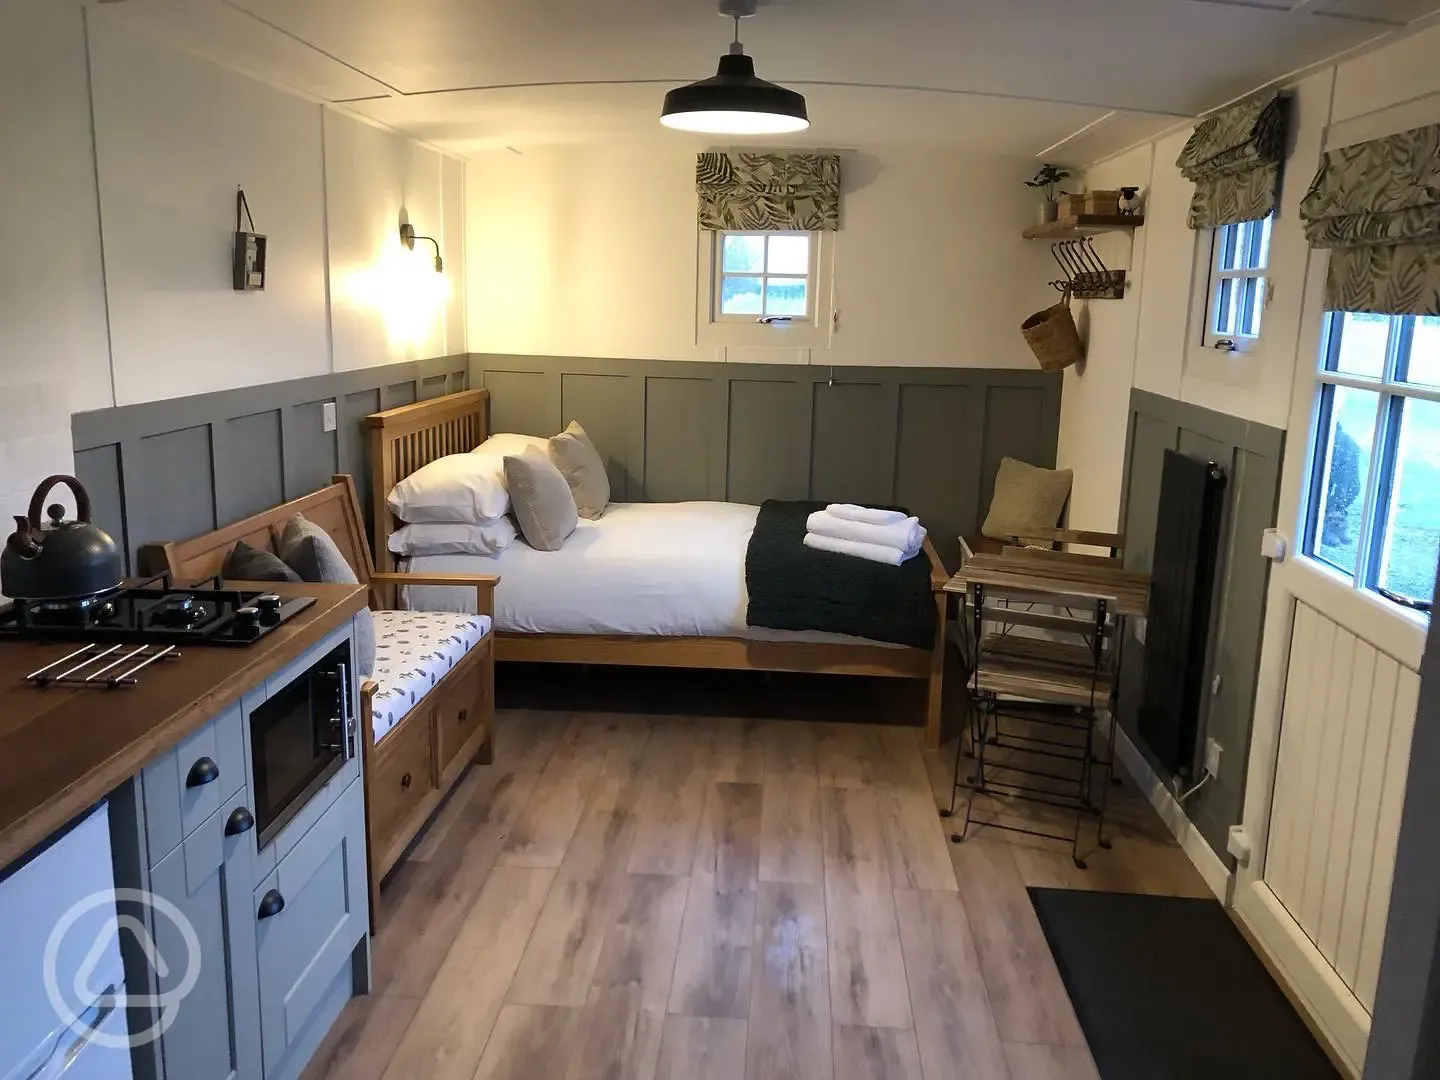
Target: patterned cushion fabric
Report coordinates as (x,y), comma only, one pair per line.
(414,650)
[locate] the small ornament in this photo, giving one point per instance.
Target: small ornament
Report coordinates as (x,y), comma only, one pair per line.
(1129,201)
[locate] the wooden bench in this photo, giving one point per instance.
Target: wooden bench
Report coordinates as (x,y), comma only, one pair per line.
(417,762)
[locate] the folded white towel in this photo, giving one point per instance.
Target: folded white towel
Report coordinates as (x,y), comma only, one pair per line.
(858,548)
(907,534)
(851,512)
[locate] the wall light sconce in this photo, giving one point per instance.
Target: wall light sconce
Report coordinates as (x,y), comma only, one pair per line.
(408,238)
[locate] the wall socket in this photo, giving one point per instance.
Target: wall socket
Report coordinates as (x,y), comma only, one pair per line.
(1213,750)
(327,416)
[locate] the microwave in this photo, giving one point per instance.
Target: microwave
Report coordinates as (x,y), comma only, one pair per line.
(300,737)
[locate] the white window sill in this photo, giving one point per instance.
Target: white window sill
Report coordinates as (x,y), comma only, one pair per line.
(1392,629)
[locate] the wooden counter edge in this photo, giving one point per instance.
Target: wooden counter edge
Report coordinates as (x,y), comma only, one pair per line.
(85,791)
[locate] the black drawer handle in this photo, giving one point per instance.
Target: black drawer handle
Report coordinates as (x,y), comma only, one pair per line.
(464,713)
(239,821)
(203,772)
(406,781)
(271,904)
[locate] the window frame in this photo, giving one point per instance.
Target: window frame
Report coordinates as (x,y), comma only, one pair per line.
(1216,274)
(718,274)
(1392,391)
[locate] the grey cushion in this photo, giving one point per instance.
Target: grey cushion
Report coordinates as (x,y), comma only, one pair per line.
(1025,496)
(246,563)
(311,552)
(579,462)
(540,499)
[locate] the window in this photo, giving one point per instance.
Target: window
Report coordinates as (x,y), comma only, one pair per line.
(1374,506)
(764,277)
(1237,294)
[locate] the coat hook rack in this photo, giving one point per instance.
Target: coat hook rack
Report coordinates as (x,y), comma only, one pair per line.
(1086,275)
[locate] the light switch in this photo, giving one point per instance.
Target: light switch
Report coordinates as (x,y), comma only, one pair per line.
(327,416)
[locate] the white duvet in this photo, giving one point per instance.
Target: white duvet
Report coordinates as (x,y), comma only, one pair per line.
(674,569)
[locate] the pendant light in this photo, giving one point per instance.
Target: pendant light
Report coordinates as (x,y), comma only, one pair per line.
(734,101)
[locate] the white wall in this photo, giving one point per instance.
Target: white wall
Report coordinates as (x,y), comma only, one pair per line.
(115,281)
(591,251)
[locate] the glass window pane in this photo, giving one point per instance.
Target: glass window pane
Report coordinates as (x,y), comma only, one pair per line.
(1252,291)
(1265,227)
(743,253)
(1363,340)
(1227,247)
(1412,520)
(1225,302)
(1347,446)
(789,255)
(740,296)
(1425,352)
(785,296)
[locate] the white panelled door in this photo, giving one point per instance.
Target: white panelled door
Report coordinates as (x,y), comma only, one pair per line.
(1335,710)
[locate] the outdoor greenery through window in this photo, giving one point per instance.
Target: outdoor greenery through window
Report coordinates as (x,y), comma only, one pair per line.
(1375,488)
(764,275)
(1237,284)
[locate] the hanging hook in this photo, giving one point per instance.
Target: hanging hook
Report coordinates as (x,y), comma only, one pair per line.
(831,380)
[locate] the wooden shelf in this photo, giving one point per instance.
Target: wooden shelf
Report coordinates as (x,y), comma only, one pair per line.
(1084,225)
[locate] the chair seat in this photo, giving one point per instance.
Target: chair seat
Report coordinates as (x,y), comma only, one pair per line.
(414,650)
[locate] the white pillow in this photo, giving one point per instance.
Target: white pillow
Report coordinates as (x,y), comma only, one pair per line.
(457,487)
(454,538)
(506,444)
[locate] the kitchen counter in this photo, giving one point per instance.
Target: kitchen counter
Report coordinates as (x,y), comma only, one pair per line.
(64,748)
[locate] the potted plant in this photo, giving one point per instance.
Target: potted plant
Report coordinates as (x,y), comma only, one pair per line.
(1049,178)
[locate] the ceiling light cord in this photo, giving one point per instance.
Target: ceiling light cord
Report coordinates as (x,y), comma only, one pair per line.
(736,49)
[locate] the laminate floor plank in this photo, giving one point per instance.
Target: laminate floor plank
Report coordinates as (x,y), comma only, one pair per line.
(543,831)
(448,1033)
(565,945)
(619,1039)
(1033,1061)
(667,816)
(727,846)
(954,1025)
(790,848)
(789,1036)
(790,748)
(530,1042)
(866,1053)
(526,739)
(701,1048)
(1026,993)
(619,784)
(916,842)
(898,758)
(428,901)
(475,784)
(867,973)
(642,938)
(844,755)
(738,756)
(361,1042)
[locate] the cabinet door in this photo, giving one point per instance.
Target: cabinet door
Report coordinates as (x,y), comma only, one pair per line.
(215,1031)
(310,913)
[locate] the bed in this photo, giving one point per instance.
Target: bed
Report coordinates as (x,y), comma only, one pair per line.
(647,584)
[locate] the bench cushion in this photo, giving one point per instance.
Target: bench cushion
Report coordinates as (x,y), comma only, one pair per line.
(414,650)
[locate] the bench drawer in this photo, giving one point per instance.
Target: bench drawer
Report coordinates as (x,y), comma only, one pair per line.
(401,776)
(462,708)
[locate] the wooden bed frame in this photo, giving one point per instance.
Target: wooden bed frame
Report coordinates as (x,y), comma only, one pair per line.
(405,439)
(408,773)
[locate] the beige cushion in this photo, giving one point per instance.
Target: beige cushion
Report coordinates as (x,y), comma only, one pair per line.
(541,500)
(579,462)
(1025,496)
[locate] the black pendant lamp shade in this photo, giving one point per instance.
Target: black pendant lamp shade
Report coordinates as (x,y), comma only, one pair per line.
(735,101)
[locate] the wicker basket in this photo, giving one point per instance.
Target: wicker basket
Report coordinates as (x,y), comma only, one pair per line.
(1053,337)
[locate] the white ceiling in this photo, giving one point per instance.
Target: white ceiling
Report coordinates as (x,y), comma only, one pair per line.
(1075,78)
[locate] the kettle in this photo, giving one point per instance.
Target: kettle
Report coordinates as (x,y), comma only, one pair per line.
(63,560)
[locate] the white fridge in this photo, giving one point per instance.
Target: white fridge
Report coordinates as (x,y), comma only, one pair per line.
(62,988)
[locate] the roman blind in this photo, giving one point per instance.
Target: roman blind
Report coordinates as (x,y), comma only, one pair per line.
(768,191)
(1377,206)
(1234,159)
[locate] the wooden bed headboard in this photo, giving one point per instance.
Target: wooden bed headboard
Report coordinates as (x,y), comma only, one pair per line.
(408,438)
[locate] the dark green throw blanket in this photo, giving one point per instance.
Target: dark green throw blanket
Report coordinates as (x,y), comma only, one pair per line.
(793,587)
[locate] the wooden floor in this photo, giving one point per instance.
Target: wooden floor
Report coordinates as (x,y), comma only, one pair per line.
(708,898)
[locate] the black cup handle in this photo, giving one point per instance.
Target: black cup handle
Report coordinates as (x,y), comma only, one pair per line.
(271,904)
(240,821)
(203,772)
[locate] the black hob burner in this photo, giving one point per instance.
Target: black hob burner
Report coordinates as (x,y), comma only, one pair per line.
(154,612)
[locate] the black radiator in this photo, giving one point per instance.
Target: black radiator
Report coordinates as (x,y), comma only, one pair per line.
(1187,539)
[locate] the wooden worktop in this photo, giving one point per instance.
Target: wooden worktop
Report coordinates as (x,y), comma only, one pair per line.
(62,749)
